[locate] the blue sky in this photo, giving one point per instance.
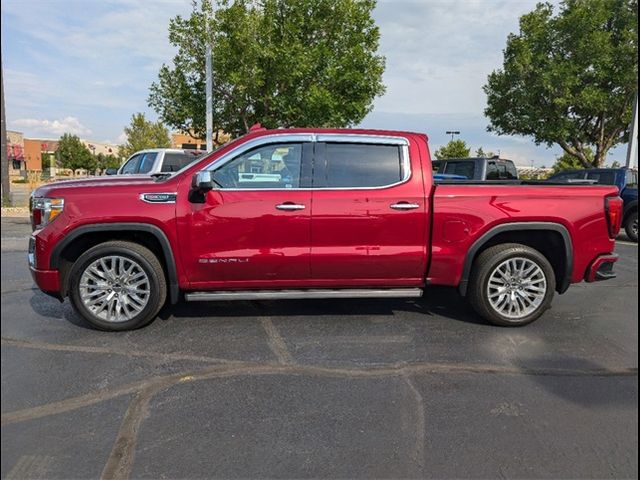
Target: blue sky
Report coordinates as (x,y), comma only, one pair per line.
(85,67)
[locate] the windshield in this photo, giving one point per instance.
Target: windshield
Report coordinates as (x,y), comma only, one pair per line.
(198,158)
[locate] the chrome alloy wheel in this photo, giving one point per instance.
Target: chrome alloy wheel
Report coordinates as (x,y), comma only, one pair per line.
(114,288)
(517,288)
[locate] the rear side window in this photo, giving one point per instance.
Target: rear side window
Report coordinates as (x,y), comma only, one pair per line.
(603,178)
(492,171)
(507,171)
(631,179)
(175,161)
(351,165)
(511,172)
(466,169)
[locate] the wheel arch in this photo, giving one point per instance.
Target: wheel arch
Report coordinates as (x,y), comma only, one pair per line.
(79,240)
(546,237)
(630,208)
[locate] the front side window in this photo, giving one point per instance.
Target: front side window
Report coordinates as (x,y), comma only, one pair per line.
(132,165)
(271,166)
(351,165)
(438,166)
(146,162)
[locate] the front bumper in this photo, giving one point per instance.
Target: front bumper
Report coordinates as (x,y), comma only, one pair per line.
(47,280)
(602,268)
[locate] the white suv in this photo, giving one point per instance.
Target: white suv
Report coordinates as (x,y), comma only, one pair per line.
(158,160)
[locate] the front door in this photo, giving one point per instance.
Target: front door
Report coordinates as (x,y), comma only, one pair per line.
(254,229)
(369,213)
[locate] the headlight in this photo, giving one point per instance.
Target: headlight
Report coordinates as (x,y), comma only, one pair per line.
(45,210)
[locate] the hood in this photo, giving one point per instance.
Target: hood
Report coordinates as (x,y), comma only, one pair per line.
(94,182)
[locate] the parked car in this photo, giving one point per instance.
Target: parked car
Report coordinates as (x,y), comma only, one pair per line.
(625,179)
(477,168)
(157,160)
(346,213)
(443,177)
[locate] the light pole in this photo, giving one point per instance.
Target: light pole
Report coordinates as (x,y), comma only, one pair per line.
(4,168)
(209,86)
(452,133)
(632,149)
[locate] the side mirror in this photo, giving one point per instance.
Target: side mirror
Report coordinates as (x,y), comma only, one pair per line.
(202,181)
(111,171)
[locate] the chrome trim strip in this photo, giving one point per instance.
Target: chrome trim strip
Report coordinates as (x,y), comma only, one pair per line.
(174,194)
(357,138)
(406,161)
(303,294)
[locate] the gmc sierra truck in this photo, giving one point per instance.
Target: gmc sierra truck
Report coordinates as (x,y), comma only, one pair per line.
(310,213)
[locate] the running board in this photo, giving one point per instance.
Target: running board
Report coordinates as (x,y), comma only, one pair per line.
(302,294)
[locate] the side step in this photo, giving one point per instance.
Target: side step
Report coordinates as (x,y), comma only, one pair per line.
(303,294)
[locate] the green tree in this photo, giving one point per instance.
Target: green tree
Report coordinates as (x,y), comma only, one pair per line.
(570,162)
(108,161)
(281,63)
(453,149)
(569,79)
(142,134)
(73,154)
(481,154)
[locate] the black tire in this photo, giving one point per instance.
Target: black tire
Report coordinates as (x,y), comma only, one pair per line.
(484,266)
(631,226)
(146,260)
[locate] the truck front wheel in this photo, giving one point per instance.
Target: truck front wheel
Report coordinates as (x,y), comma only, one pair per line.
(117,285)
(631,226)
(511,284)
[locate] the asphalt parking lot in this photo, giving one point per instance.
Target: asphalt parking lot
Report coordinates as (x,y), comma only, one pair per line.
(344,388)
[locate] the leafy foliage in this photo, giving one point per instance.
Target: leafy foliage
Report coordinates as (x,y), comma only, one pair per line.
(281,63)
(142,134)
(453,149)
(108,161)
(480,153)
(569,79)
(570,162)
(73,154)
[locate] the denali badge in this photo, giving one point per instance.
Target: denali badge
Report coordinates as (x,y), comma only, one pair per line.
(158,197)
(223,260)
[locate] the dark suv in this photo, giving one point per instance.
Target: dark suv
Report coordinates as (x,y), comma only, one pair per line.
(624,178)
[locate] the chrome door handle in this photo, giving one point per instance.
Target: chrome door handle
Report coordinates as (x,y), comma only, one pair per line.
(290,206)
(404,206)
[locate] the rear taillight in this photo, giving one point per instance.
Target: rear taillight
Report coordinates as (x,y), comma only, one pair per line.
(613,209)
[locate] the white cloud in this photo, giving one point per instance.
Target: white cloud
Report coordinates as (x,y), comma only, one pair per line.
(33,126)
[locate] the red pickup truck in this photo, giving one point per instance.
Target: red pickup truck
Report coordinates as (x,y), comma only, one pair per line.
(310,213)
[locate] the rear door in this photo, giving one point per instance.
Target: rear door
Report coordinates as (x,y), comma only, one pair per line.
(369,212)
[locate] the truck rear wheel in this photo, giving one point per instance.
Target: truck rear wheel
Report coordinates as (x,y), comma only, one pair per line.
(511,284)
(631,226)
(117,285)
